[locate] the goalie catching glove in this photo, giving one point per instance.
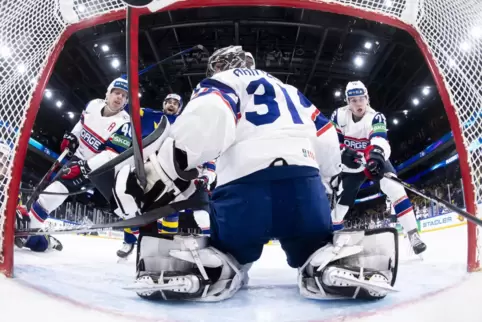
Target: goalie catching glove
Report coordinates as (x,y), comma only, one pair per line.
(166,182)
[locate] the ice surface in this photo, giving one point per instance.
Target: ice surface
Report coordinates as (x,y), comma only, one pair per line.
(84,282)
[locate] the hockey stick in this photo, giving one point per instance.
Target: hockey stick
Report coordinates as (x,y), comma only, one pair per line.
(148,217)
(54,193)
(148,68)
(197,47)
(429,196)
(132,25)
(43,182)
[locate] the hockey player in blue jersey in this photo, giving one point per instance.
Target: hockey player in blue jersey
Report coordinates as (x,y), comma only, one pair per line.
(272,149)
(171,108)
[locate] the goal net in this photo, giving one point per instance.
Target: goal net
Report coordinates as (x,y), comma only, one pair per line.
(33,32)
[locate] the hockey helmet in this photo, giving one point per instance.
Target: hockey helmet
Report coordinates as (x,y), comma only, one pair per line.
(250,62)
(354,89)
(177,98)
(226,58)
(119,83)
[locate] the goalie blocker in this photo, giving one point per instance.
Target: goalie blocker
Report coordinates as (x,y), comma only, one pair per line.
(357,265)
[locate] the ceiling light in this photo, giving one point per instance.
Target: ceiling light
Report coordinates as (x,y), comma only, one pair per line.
(115,63)
(105,48)
(415,101)
(426,90)
(48,94)
(70,114)
(368,45)
(359,61)
(139,94)
(476,32)
(5,51)
(337,94)
(395,121)
(405,112)
(21,68)
(81,8)
(465,46)
(59,104)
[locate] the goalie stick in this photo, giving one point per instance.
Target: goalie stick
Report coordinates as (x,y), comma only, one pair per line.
(148,217)
(429,196)
(43,182)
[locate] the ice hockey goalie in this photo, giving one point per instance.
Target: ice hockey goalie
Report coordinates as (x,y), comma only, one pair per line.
(272,148)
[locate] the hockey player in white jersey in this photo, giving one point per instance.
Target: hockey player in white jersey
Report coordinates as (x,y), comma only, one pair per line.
(102,132)
(362,132)
(272,146)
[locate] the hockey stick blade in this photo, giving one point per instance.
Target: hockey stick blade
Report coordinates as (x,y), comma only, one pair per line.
(436,199)
(151,216)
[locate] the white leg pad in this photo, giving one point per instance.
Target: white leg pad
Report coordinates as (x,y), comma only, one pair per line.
(356,260)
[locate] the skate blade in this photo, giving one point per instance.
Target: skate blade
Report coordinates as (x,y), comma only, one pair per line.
(375,286)
(143,287)
(121,260)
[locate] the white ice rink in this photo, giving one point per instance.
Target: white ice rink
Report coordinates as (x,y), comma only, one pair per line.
(84,283)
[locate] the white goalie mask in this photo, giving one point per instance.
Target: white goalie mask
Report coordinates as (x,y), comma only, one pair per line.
(250,62)
(226,58)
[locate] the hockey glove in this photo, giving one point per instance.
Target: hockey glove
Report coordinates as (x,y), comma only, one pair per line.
(375,162)
(76,173)
(70,142)
(202,182)
(350,158)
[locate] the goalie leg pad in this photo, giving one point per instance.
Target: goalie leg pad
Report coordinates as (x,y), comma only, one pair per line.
(358,264)
(185,267)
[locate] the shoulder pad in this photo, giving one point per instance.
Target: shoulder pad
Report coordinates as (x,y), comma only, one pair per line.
(96,103)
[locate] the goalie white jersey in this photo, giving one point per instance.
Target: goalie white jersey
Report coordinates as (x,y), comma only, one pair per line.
(94,130)
(268,120)
(370,130)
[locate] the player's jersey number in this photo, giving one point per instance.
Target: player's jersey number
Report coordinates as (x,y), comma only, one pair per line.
(268,99)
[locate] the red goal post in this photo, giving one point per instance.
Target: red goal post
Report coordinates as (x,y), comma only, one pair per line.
(33,33)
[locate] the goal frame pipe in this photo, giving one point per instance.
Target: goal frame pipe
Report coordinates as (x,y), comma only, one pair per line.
(336,8)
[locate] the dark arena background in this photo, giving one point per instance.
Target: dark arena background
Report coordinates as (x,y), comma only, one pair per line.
(316,46)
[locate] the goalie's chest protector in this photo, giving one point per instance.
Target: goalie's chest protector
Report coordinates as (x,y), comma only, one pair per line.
(355,134)
(97,129)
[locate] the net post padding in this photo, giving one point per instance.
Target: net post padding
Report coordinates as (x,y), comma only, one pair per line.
(336,8)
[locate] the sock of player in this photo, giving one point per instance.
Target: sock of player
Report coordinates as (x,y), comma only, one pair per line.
(202,219)
(337,215)
(37,215)
(130,235)
(405,215)
(402,205)
(169,224)
(46,204)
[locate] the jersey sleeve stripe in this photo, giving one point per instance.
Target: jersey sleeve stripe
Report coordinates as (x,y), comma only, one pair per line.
(209,166)
(226,100)
(315,114)
(324,129)
(378,134)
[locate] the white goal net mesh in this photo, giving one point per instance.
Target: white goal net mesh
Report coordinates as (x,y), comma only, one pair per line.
(31,34)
